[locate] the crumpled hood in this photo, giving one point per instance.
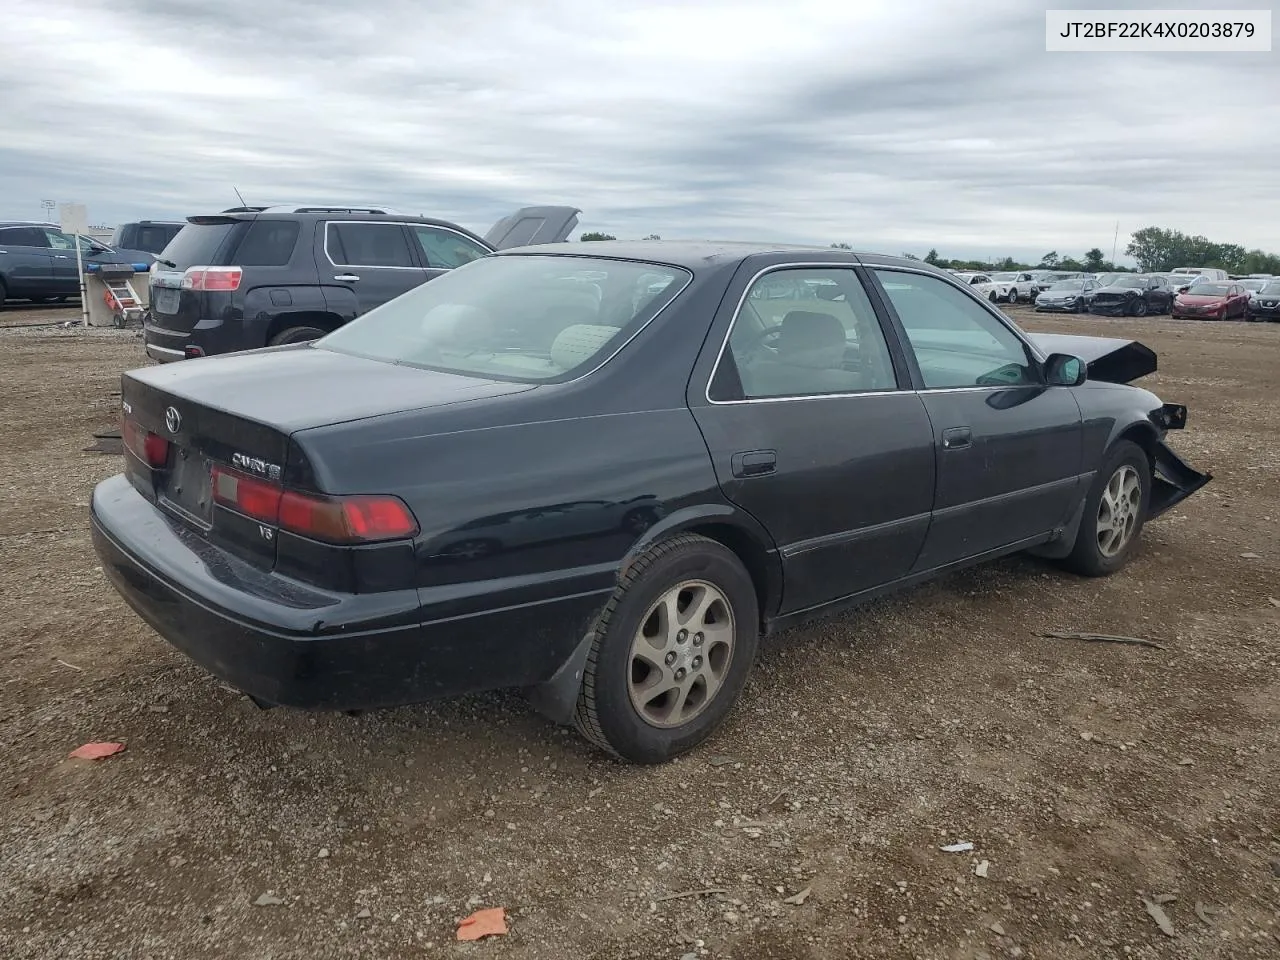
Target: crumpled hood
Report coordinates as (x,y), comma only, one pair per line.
(1108,359)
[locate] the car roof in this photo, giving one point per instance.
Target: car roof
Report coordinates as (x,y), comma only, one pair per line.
(692,254)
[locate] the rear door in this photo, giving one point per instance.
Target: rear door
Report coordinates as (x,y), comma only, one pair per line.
(813,429)
(1009,449)
(25,262)
(374,260)
(530,225)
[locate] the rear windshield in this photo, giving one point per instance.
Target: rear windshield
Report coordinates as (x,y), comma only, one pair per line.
(197,244)
(521,318)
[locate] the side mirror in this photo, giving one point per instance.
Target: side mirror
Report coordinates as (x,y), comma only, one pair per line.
(1064,370)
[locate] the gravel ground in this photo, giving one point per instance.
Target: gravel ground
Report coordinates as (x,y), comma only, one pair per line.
(1086,775)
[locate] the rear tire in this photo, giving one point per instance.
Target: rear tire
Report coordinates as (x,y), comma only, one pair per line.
(683,620)
(1109,530)
(296,335)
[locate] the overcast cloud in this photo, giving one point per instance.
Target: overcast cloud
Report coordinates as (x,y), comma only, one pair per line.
(890,125)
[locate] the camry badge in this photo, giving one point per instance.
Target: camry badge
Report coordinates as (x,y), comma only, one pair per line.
(173,419)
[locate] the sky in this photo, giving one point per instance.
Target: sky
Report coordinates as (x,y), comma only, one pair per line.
(891,126)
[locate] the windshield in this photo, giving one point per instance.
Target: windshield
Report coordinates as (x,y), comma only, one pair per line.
(1065,286)
(1254,285)
(1272,288)
(1126,282)
(524,318)
(1208,290)
(1004,277)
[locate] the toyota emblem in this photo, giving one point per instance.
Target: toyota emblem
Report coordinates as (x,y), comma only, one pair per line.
(173,419)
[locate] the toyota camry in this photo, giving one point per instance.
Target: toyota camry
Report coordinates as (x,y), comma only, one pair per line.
(600,472)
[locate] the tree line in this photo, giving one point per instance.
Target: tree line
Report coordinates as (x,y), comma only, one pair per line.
(1156,250)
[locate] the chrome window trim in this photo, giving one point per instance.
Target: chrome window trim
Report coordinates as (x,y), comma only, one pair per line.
(737,311)
(366,266)
(829,265)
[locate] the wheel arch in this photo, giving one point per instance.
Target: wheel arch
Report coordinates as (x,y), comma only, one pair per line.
(321,319)
(737,531)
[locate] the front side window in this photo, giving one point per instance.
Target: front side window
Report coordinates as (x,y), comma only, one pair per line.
(805,332)
(368,245)
(957,342)
(59,240)
(521,318)
(445,249)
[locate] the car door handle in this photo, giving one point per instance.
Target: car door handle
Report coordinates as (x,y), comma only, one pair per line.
(754,463)
(346,277)
(61,256)
(957,438)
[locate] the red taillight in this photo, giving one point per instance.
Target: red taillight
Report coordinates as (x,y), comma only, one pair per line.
(360,519)
(248,495)
(151,448)
(355,519)
(212,278)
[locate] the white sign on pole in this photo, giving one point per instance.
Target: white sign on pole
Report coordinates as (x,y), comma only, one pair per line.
(73,218)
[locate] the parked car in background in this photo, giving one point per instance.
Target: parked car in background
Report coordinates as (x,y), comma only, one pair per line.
(1132,295)
(1266,304)
(149,236)
(38,262)
(1067,296)
(1015,286)
(1209,273)
(1252,285)
(980,283)
(266,276)
(1178,282)
(286,517)
(1212,300)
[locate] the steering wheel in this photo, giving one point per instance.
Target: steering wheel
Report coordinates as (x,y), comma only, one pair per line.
(765,338)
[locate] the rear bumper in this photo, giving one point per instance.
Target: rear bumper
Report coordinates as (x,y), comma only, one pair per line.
(286,643)
(206,338)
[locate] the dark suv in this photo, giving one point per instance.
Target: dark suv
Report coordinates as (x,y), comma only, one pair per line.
(252,277)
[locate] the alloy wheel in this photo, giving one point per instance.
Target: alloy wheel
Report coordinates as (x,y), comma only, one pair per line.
(680,656)
(1118,510)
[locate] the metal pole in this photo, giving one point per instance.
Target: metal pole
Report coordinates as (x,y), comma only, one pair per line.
(1115,240)
(84,293)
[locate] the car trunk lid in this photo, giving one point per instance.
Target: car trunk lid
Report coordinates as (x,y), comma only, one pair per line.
(236,414)
(532,225)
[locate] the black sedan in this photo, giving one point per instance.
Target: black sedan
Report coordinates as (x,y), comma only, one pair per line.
(601,472)
(1132,296)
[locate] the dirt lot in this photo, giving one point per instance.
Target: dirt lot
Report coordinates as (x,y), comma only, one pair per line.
(1085,774)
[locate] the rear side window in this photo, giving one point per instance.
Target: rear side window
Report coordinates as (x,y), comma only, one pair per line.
(267,243)
(198,244)
(368,245)
(23,237)
(445,249)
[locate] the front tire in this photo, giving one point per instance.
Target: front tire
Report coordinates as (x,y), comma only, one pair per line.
(671,651)
(1115,510)
(1139,308)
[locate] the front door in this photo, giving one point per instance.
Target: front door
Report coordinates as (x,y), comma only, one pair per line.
(814,430)
(373,260)
(1009,448)
(443,249)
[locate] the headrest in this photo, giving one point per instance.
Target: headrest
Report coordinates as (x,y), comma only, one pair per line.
(578,343)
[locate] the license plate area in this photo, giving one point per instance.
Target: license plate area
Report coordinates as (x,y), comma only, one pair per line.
(188,489)
(166,300)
